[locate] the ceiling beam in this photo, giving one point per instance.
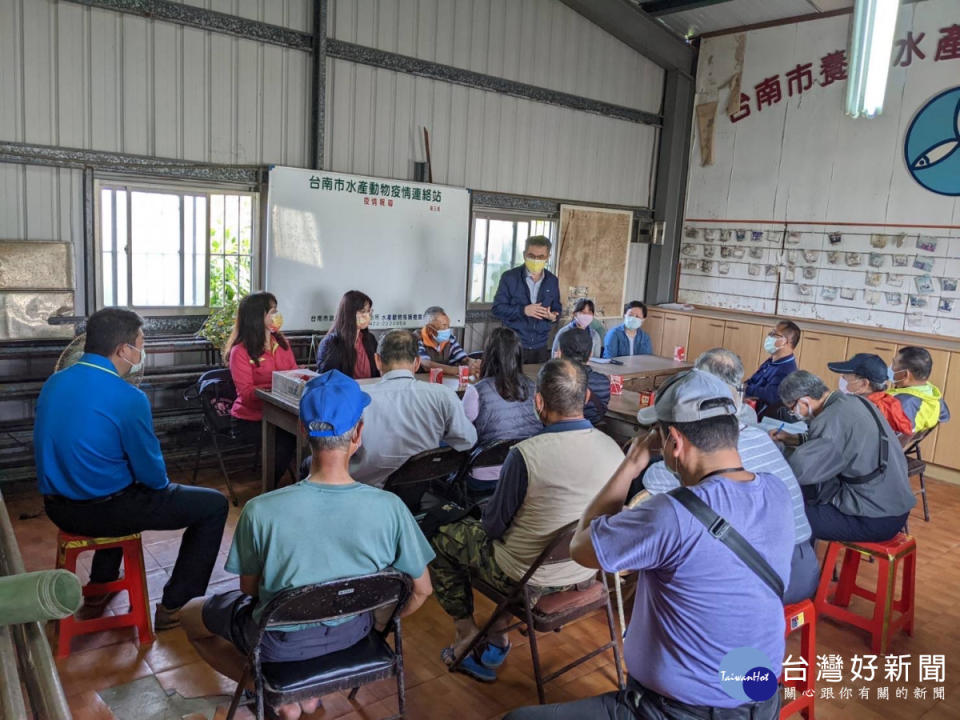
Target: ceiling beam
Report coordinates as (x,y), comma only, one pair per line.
(629,25)
(656,8)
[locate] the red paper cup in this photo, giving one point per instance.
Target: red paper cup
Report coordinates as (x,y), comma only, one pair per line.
(436,375)
(647,398)
(464,374)
(616,384)
(679,353)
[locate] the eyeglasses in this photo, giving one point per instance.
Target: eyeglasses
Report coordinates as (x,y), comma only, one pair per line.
(530,256)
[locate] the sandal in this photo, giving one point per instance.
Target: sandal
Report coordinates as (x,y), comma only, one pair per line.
(493,655)
(470,665)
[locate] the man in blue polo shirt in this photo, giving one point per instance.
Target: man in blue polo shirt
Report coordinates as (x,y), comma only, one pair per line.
(528,300)
(702,618)
(325,527)
(764,385)
(101,472)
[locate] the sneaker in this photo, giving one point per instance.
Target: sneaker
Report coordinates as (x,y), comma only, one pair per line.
(166,619)
(494,655)
(95,605)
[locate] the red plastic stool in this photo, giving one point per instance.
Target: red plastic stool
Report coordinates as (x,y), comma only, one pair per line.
(889,615)
(802,616)
(134,581)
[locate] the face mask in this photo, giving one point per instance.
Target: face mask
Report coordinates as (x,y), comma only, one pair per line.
(896,377)
(583,320)
(275,322)
(135,367)
(444,335)
(770,345)
(632,322)
(535,266)
(842,385)
(805,415)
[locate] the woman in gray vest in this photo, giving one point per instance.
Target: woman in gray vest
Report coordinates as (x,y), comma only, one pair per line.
(500,405)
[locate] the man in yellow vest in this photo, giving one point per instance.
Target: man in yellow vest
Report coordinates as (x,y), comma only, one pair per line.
(922,401)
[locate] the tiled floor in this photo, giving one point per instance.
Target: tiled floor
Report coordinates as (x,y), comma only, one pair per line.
(108,676)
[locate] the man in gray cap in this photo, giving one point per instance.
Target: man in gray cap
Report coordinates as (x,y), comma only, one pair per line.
(759,454)
(706,636)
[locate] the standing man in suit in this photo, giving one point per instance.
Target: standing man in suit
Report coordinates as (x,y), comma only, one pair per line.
(528,300)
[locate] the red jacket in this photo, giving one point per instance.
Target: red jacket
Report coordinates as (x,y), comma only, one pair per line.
(892,410)
(248,377)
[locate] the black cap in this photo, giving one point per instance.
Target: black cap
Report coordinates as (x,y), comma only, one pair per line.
(871,367)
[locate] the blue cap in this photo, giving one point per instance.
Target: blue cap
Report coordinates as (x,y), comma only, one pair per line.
(865,365)
(331,404)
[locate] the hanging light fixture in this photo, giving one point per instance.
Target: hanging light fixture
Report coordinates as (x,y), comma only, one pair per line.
(871,45)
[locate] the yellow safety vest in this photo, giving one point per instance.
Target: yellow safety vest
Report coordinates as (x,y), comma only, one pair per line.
(929,413)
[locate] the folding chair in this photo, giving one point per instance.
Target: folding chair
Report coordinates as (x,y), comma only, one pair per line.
(491,454)
(423,471)
(916,465)
(368,661)
(215,392)
(550,613)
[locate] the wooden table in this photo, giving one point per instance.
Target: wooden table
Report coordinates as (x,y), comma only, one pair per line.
(639,372)
(279,411)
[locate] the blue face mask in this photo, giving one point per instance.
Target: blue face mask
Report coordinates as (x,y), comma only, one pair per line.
(444,335)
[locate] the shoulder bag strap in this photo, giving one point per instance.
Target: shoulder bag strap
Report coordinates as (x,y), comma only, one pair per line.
(723,531)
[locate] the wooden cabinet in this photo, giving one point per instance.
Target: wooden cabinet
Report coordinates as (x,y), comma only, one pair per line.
(705,333)
(947,451)
(816,350)
(884,349)
(938,376)
(746,340)
(676,331)
(653,326)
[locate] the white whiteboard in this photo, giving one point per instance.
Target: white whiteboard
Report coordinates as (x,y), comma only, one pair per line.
(404,244)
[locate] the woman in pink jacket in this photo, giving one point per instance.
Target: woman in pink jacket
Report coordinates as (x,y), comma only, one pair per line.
(255,349)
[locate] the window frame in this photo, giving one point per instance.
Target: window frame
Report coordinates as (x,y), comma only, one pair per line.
(479,213)
(181,191)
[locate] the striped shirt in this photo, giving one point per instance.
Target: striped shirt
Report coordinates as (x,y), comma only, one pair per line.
(758,454)
(449,353)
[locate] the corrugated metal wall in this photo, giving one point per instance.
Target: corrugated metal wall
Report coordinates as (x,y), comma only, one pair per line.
(96,79)
(480,139)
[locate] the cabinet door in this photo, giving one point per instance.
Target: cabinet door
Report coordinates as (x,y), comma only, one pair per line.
(938,376)
(676,331)
(816,350)
(705,333)
(947,450)
(653,326)
(884,349)
(746,340)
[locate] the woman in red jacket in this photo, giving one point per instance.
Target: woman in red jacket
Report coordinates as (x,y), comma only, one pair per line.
(256,348)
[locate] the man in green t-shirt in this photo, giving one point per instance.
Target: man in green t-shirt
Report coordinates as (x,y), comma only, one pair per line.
(307,533)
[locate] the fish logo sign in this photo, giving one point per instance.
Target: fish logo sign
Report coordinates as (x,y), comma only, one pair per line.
(932,145)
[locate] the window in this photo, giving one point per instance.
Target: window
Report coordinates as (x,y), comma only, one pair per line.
(497,245)
(170,248)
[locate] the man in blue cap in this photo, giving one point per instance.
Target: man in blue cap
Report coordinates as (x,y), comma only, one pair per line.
(307,533)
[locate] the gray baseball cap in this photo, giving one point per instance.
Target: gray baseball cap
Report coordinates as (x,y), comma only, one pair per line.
(681,399)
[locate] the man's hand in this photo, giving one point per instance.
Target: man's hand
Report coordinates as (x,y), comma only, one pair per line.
(553,316)
(788,439)
(638,456)
(537,311)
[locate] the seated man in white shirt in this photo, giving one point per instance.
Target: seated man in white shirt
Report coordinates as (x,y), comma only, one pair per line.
(406,416)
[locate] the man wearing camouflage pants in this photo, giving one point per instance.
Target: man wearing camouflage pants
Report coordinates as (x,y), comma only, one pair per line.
(546,483)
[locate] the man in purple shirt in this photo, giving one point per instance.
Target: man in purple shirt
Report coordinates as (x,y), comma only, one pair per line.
(706,636)
(764,385)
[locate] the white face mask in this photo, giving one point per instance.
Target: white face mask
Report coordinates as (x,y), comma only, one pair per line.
(583,320)
(632,322)
(842,385)
(770,345)
(135,367)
